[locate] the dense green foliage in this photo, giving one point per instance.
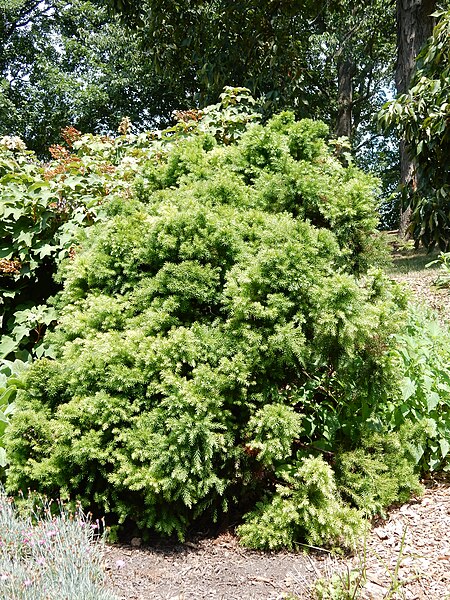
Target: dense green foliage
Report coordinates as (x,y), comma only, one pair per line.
(287,52)
(41,209)
(422,355)
(379,471)
(421,117)
(209,326)
(75,63)
(216,333)
(43,206)
(305,506)
(70,63)
(11,379)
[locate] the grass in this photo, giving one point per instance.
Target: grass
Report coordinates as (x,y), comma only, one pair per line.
(430,285)
(47,557)
(413,260)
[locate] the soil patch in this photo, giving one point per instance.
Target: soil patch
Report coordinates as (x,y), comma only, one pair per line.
(211,568)
(406,556)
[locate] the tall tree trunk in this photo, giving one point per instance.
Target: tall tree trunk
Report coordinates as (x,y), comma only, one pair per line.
(346,72)
(414,26)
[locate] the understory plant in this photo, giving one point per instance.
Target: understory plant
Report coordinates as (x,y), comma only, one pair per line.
(222,332)
(379,471)
(306,506)
(443,278)
(47,555)
(421,357)
(11,379)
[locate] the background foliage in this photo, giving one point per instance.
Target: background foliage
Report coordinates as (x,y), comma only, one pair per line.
(421,117)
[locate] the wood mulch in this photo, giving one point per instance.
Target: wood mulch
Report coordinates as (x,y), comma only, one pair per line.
(408,555)
(405,557)
(209,569)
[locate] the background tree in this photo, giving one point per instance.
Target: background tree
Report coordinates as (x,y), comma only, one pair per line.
(414,26)
(421,116)
(71,63)
(75,63)
(332,60)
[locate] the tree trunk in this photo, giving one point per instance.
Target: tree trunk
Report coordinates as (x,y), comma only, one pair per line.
(346,72)
(414,26)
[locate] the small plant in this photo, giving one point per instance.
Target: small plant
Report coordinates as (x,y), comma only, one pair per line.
(10,381)
(343,584)
(349,584)
(340,586)
(47,556)
(443,279)
(421,357)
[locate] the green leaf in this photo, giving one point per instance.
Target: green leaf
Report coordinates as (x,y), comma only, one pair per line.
(3,458)
(432,400)
(7,345)
(25,238)
(408,388)
(7,395)
(46,250)
(445,447)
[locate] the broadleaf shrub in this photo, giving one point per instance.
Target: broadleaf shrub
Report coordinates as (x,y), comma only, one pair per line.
(217,333)
(421,356)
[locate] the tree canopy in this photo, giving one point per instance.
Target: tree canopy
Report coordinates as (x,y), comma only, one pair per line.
(74,64)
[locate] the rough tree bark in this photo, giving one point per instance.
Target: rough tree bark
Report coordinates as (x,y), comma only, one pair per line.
(414,26)
(346,72)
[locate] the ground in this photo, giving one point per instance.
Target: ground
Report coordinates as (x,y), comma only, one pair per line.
(406,556)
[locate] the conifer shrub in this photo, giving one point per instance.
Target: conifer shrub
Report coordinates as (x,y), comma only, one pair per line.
(379,471)
(216,335)
(283,166)
(305,506)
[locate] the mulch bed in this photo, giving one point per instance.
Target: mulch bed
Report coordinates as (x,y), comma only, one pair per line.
(406,556)
(211,568)
(411,549)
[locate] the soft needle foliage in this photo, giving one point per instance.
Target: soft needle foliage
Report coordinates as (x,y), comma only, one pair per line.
(214,332)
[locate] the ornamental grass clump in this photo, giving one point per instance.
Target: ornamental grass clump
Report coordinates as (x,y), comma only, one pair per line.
(49,556)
